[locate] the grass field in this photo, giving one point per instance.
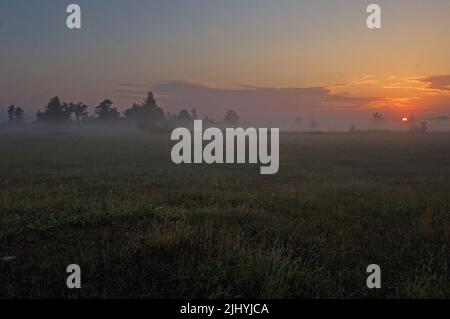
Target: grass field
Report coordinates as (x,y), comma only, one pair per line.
(140,226)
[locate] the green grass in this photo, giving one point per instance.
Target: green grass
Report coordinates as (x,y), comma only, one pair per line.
(140,226)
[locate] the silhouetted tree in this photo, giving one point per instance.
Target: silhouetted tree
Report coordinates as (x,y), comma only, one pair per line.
(422,128)
(353,129)
(231,118)
(132,113)
(11,113)
(19,115)
(170,116)
(54,112)
(313,125)
(194,114)
(208,122)
(40,116)
(184,119)
(184,116)
(148,116)
(377,119)
(79,110)
(105,112)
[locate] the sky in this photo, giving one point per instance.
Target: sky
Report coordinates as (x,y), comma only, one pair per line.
(271,60)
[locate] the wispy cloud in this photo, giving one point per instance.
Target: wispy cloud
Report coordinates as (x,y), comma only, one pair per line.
(366,80)
(438,82)
(432,85)
(133,85)
(251,101)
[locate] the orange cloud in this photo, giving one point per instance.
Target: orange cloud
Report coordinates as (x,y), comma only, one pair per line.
(439,82)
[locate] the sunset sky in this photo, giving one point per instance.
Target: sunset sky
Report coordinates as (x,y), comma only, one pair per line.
(270,60)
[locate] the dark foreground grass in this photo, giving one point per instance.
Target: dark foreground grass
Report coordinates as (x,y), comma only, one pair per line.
(140,226)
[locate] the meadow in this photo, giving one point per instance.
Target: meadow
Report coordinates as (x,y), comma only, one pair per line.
(142,227)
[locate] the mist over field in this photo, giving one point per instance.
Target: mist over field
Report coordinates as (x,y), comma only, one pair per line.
(140,226)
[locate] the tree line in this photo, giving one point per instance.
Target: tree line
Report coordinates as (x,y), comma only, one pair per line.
(146,116)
